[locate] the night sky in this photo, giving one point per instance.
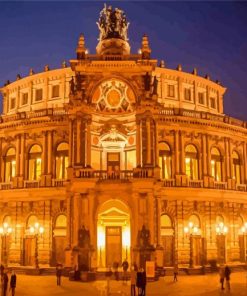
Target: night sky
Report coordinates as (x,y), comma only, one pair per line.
(211,36)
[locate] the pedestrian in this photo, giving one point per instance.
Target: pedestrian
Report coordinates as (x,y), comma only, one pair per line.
(12,284)
(125,266)
(133,278)
(222,276)
(5,283)
(143,282)
(59,274)
(175,273)
(227,276)
(139,281)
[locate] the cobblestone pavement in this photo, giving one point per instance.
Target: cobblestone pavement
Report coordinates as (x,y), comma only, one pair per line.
(207,285)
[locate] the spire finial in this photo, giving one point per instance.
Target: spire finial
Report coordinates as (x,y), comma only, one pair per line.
(146,50)
(81,49)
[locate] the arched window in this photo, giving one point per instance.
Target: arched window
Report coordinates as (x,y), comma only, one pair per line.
(34,162)
(165,161)
(31,221)
(195,220)
(62,160)
(167,240)
(10,165)
(191,162)
(236,167)
(216,164)
(61,221)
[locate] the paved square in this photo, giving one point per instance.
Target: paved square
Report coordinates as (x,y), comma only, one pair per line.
(207,285)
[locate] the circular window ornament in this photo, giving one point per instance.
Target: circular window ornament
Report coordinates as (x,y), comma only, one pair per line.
(113,98)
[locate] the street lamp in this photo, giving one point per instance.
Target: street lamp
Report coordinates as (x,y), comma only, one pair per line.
(36,231)
(221,229)
(5,231)
(191,230)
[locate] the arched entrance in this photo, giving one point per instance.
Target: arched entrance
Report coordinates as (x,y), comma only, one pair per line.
(113,233)
(167,240)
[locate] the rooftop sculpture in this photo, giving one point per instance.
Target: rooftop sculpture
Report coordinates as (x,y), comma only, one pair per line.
(112,23)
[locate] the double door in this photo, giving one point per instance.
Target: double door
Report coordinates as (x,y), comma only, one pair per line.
(113,245)
(113,165)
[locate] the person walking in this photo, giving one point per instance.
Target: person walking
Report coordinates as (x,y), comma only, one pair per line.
(222,276)
(175,273)
(59,274)
(125,266)
(5,284)
(143,282)
(133,279)
(227,276)
(139,281)
(12,284)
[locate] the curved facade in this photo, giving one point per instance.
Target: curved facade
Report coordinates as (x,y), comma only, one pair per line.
(117,157)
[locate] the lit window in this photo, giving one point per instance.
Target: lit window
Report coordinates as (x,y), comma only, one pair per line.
(216,164)
(171,91)
(62,160)
(10,165)
(187,94)
(191,162)
(39,94)
(24,98)
(34,163)
(55,91)
(212,103)
(201,98)
(165,161)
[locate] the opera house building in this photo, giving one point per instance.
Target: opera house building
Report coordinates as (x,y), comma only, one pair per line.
(117,157)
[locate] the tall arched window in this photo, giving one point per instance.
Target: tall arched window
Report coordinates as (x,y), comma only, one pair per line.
(191,162)
(10,165)
(236,167)
(216,164)
(62,160)
(165,161)
(34,162)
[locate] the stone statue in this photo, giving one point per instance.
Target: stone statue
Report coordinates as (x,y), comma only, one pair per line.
(144,237)
(112,23)
(147,81)
(72,86)
(155,86)
(83,238)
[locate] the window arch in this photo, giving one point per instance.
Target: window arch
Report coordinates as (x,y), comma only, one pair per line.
(62,160)
(236,167)
(32,220)
(195,220)
(216,164)
(34,162)
(191,162)
(167,239)
(10,165)
(61,221)
(165,160)
(166,221)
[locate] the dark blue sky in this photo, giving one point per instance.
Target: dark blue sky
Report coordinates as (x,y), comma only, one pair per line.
(211,36)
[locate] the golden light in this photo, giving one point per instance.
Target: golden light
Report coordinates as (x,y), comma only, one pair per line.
(187,160)
(9,230)
(41,230)
(31,229)
(36,225)
(191,224)
(101,237)
(1,230)
(126,237)
(186,229)
(5,225)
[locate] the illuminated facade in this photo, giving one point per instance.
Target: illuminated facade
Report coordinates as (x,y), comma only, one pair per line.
(117,157)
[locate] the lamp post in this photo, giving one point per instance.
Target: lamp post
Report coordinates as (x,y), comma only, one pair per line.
(36,231)
(191,230)
(5,231)
(221,231)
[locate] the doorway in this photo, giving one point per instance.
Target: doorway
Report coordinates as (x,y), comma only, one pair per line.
(113,245)
(29,251)
(197,250)
(113,165)
(221,248)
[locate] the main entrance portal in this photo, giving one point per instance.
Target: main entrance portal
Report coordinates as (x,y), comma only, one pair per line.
(113,234)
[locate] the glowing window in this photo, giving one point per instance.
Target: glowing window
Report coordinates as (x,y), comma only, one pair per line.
(236,172)
(62,160)
(216,164)
(61,221)
(34,162)
(165,161)
(191,162)
(10,165)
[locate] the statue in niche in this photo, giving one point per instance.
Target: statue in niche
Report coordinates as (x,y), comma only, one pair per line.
(147,81)
(72,86)
(155,86)
(78,82)
(144,237)
(83,237)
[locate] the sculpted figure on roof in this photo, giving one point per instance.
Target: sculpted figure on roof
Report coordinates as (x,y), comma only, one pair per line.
(112,23)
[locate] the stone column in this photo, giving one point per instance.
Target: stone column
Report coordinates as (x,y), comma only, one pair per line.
(195,96)
(180,92)
(227,158)
(76,214)
(176,140)
(71,146)
(138,144)
(18,144)
(89,122)
(44,153)
(22,161)
(148,144)
(208,156)
(50,156)
(1,161)
(182,153)
(78,140)
(244,178)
